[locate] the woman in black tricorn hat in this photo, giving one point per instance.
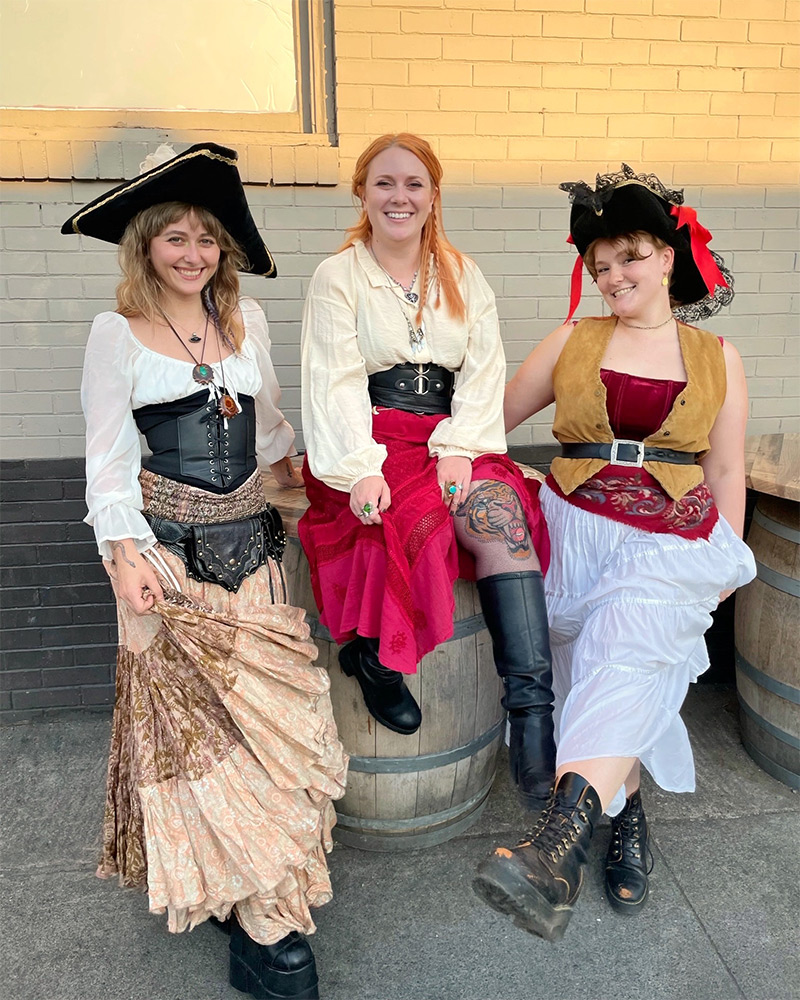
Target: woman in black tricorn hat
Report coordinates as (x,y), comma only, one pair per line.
(645,508)
(224,753)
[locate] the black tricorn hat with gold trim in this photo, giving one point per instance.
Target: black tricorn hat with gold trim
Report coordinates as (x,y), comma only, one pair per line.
(205,175)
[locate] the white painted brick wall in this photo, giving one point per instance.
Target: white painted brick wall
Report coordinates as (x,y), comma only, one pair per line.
(53,285)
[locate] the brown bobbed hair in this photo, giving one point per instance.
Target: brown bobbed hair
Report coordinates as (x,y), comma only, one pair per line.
(448,262)
(630,243)
(140,291)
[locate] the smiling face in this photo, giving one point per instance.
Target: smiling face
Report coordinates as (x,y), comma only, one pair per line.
(184,256)
(397,196)
(630,277)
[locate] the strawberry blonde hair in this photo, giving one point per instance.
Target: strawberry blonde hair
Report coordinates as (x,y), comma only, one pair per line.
(448,263)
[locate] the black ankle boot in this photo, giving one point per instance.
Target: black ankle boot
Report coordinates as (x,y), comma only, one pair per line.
(385,693)
(627,865)
(514,608)
(271,971)
(538,881)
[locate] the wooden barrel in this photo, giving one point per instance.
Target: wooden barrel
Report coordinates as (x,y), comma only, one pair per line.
(767,642)
(407,792)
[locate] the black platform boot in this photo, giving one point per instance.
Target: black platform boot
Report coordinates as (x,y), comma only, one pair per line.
(385,693)
(514,608)
(538,881)
(272,971)
(627,865)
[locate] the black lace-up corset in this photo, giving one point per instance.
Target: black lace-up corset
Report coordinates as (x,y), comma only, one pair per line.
(191,443)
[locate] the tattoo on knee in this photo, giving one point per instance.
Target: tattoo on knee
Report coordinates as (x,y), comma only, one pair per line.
(493,512)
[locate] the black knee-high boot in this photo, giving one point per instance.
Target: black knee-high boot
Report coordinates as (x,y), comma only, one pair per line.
(514,608)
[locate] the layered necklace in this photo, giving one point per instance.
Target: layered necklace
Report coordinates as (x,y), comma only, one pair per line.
(203,373)
(409,295)
(416,337)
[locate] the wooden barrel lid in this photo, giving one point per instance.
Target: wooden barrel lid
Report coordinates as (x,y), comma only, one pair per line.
(772,464)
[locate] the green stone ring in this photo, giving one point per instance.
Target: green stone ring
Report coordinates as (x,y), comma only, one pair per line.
(367,509)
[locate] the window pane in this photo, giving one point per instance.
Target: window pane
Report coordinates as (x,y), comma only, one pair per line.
(172,55)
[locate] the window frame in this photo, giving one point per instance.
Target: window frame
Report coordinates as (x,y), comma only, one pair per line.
(41,143)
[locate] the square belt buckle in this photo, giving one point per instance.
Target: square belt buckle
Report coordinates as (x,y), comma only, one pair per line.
(638,445)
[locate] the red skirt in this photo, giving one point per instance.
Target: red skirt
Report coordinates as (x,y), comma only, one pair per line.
(395,581)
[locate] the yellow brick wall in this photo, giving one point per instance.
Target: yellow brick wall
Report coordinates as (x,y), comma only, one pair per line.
(533,91)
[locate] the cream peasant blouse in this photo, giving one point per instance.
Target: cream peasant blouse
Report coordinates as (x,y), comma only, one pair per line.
(120,374)
(354,325)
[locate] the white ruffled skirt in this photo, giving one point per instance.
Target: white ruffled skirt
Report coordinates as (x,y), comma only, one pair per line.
(628,610)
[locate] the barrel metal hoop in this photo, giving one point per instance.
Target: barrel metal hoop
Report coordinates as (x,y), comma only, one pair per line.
(461,629)
(786,584)
(415,822)
(426,761)
(786,691)
(776,528)
(772,767)
(768,727)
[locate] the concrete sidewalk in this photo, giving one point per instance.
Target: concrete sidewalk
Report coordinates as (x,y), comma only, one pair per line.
(721,922)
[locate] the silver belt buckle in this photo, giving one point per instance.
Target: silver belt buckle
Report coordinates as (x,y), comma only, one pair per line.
(638,445)
(421,381)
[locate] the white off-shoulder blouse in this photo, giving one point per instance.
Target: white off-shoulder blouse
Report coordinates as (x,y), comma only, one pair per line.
(354,324)
(120,374)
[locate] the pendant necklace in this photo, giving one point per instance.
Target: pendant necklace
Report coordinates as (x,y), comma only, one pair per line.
(203,373)
(408,294)
(415,337)
(193,337)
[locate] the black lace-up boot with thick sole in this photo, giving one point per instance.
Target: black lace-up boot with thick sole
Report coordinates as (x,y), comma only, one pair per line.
(538,882)
(282,971)
(514,609)
(628,860)
(385,693)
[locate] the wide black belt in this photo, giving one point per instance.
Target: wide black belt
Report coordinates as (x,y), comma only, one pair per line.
(418,388)
(623,452)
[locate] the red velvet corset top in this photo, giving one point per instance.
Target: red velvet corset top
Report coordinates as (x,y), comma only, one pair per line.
(637,407)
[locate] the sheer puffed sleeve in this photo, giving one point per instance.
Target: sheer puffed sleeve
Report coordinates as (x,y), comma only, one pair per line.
(337,415)
(113,452)
(274,434)
(476,425)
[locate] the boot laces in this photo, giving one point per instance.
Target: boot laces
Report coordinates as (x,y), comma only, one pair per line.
(554,839)
(541,822)
(627,840)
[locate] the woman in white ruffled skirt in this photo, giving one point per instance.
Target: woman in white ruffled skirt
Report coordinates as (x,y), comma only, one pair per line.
(645,508)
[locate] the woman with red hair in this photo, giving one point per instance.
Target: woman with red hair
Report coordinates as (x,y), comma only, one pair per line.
(406,471)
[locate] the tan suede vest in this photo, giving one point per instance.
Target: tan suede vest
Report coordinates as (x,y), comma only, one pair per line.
(581,413)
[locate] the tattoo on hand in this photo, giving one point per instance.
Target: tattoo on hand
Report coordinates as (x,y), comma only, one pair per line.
(493,509)
(120,545)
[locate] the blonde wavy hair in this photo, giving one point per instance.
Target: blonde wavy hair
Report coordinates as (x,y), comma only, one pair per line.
(140,291)
(448,263)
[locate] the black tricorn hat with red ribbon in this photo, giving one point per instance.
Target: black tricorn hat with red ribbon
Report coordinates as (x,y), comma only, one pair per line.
(626,202)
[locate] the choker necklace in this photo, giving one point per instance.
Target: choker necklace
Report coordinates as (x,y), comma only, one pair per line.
(193,337)
(203,374)
(633,326)
(410,296)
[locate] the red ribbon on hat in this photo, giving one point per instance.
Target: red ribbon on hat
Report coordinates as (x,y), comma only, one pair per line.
(575,283)
(699,237)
